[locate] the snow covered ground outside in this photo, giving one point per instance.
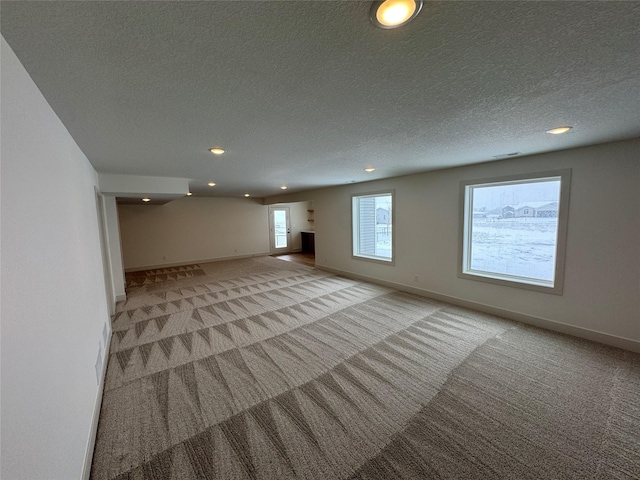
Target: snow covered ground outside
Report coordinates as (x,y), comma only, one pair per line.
(524,247)
(383,241)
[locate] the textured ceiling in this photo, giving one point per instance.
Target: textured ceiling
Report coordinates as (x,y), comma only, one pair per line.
(308,93)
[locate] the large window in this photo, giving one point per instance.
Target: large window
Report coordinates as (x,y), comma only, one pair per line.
(372,221)
(514,230)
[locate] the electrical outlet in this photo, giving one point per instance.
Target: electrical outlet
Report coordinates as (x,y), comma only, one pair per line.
(416,278)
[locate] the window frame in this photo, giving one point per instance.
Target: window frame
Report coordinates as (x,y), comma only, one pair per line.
(466,231)
(356,228)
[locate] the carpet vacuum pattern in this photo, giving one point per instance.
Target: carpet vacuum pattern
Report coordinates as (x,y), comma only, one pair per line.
(264,369)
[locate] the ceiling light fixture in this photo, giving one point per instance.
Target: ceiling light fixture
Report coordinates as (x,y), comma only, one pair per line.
(247,195)
(369,169)
(559,130)
(146,199)
(394,13)
(216,150)
(212,184)
(283,187)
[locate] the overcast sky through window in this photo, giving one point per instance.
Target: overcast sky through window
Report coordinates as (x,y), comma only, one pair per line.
(497,196)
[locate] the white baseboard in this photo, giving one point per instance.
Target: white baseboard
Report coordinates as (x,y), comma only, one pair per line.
(594,335)
(189,262)
(91,443)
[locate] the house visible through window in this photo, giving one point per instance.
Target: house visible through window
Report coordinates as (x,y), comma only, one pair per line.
(514,230)
(372,226)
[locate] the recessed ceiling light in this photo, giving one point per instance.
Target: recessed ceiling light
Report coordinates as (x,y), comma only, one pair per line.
(247,195)
(369,169)
(559,130)
(216,150)
(283,187)
(212,184)
(394,13)
(146,199)
(189,194)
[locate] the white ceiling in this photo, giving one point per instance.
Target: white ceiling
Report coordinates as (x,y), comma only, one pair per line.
(308,93)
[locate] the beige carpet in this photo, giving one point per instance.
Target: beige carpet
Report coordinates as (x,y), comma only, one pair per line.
(265,369)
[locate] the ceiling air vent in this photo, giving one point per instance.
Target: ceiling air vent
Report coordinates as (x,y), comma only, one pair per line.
(506,155)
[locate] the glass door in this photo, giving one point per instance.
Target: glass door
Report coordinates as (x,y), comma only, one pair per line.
(280,230)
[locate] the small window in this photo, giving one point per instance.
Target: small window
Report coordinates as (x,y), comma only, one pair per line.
(514,230)
(372,221)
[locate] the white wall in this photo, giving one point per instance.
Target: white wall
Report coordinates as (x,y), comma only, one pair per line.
(192,229)
(196,229)
(602,275)
(53,291)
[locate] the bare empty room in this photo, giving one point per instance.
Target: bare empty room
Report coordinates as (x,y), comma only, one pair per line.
(459,182)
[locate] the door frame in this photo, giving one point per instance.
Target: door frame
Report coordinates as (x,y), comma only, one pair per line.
(104,251)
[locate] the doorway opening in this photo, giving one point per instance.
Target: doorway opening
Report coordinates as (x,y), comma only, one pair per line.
(291,232)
